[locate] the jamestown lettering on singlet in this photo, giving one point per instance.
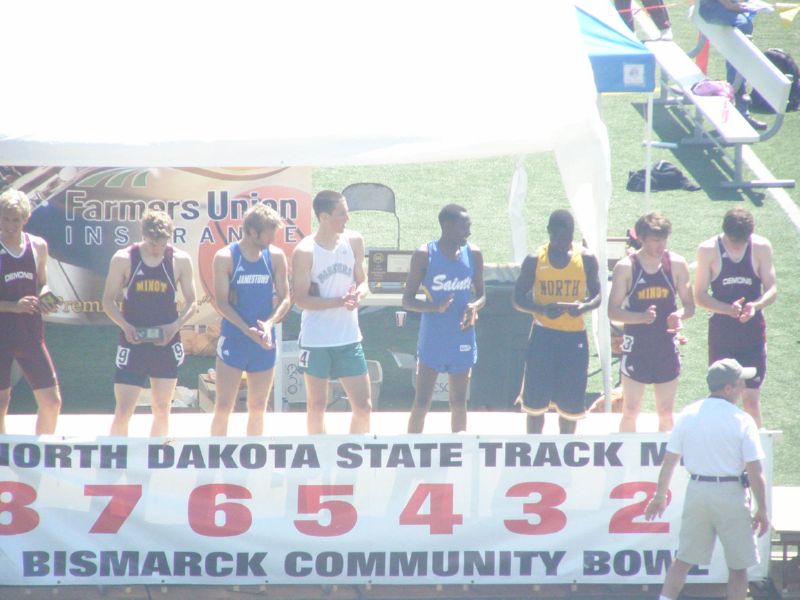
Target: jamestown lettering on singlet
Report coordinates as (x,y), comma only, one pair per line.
(737,281)
(151,286)
(252,279)
(18,275)
(335,268)
(442,284)
(653,293)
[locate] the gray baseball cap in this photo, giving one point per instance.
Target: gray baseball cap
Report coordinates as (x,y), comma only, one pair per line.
(727,372)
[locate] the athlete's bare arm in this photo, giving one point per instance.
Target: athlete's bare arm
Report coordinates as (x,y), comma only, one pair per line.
(118,274)
(620,285)
(765,269)
(683,288)
(416,273)
(302,261)
(708,267)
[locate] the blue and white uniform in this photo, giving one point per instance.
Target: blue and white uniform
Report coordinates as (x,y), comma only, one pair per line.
(442,345)
(251,290)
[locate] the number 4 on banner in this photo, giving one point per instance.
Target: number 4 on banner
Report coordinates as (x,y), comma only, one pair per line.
(440,517)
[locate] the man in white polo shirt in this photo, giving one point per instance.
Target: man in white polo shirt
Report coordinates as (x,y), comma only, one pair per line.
(717,441)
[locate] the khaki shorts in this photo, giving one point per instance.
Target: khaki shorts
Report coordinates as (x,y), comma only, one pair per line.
(714,510)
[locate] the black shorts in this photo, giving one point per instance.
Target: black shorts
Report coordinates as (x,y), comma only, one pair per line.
(650,359)
(556,365)
(136,362)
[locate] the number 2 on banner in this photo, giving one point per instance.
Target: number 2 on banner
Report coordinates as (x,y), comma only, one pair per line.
(441,517)
(343,515)
(623,520)
(551,519)
(23,519)
(119,508)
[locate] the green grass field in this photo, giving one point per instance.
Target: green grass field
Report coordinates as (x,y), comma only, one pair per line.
(482,187)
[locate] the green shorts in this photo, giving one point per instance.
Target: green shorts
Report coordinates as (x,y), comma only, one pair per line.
(333,362)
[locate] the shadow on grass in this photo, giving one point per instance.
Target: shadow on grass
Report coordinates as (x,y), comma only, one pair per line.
(707,165)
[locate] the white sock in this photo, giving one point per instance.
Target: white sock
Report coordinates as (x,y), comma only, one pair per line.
(666,35)
(663,597)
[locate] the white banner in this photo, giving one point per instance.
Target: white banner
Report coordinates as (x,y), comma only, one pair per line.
(340,509)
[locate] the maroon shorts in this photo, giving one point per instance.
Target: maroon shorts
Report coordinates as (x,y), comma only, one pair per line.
(136,362)
(35,362)
(649,359)
(746,342)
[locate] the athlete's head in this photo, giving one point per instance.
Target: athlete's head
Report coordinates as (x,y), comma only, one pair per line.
(331,210)
(654,225)
(260,217)
(561,228)
(16,201)
(455,223)
(157,226)
(326,201)
(738,224)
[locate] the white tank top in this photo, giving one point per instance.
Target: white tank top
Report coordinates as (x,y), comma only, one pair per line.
(332,271)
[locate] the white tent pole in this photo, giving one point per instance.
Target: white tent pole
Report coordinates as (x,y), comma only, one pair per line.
(648,153)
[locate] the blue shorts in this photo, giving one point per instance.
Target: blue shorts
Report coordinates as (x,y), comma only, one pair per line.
(240,352)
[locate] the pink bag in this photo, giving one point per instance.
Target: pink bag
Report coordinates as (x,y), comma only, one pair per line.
(711,87)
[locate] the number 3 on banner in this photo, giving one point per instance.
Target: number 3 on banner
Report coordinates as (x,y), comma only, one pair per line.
(551,519)
(343,515)
(23,519)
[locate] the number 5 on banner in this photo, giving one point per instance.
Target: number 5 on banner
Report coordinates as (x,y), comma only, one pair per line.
(343,515)
(123,499)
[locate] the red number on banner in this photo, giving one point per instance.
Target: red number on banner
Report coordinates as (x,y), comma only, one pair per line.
(203,510)
(23,519)
(550,518)
(119,508)
(623,520)
(440,517)
(343,515)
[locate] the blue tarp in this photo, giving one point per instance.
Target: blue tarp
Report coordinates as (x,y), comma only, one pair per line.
(620,62)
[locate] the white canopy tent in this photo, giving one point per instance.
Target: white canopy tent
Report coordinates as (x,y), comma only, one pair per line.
(147,83)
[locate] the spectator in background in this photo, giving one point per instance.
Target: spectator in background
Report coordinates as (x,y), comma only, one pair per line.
(657,11)
(733,14)
(450,272)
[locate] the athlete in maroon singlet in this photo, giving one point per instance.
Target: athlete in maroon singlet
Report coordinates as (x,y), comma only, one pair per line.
(145,276)
(23,278)
(737,267)
(643,296)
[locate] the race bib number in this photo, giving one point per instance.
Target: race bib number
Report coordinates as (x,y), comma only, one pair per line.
(627,343)
(302,360)
(177,351)
(123,354)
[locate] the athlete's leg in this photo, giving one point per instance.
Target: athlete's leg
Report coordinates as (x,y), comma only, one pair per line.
(126,396)
(665,403)
(737,584)
(259,383)
(426,379)
(459,387)
(316,402)
(632,396)
(5,400)
(228,381)
(358,393)
(162,391)
(48,401)
(566,425)
(751,403)
(676,577)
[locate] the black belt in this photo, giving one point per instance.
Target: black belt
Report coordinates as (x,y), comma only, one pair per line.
(712,479)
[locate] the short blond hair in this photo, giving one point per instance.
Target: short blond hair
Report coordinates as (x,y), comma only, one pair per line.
(260,217)
(157,225)
(653,224)
(17,201)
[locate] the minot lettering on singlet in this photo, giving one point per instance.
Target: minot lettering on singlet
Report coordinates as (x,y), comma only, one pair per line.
(442,284)
(252,279)
(335,268)
(151,286)
(737,281)
(653,293)
(561,287)
(18,275)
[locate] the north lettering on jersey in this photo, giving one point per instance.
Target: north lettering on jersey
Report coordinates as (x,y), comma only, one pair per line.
(564,288)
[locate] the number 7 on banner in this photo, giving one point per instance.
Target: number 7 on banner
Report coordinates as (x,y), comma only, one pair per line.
(123,499)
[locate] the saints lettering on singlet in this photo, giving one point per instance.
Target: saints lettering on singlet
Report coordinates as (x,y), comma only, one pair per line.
(441,283)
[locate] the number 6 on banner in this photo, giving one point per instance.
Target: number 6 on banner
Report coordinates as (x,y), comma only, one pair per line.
(203,509)
(119,508)
(343,515)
